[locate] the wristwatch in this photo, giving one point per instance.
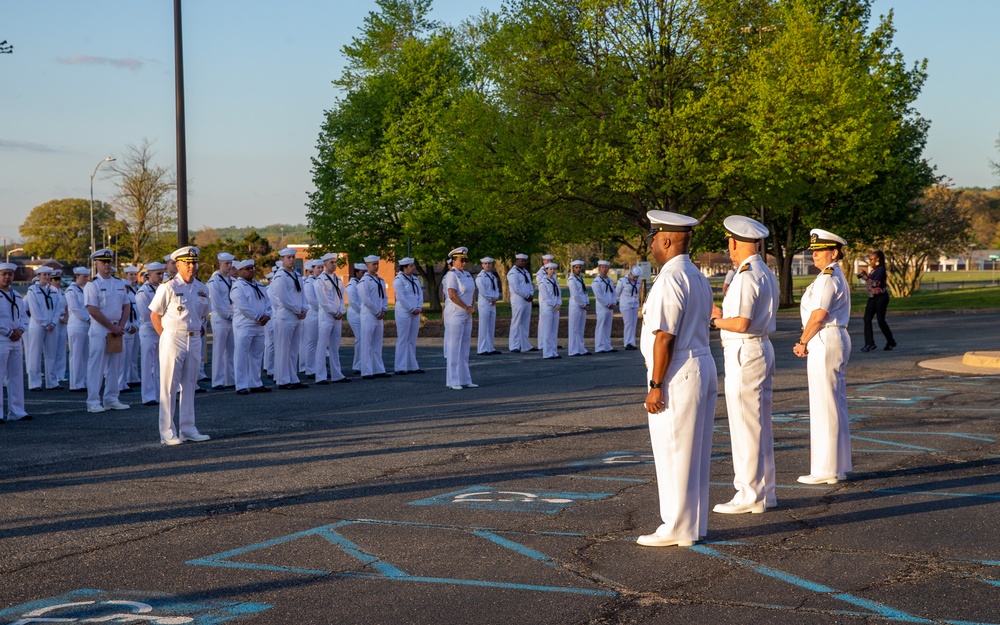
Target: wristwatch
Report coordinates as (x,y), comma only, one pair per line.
(655,384)
(711,324)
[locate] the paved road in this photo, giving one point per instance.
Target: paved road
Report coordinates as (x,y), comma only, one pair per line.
(401,501)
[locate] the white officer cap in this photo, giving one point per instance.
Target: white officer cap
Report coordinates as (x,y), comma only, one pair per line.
(131,269)
(43,270)
(372,259)
(637,271)
(155,266)
(824,240)
(521,256)
(575,263)
(403,262)
(328,256)
(80,271)
(103,254)
(745,229)
(604,262)
(550,266)
(186,254)
(665,221)
(360,266)
(225,256)
(486,259)
(10,267)
(459,252)
(286,252)
(547,256)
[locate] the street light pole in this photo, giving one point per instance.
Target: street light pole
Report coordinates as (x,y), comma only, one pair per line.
(92,248)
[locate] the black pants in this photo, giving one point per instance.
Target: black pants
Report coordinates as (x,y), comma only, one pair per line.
(876,308)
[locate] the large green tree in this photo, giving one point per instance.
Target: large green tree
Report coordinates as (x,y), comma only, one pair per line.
(60,229)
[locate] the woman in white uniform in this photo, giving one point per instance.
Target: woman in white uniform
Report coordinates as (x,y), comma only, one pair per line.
(460,289)
(549,305)
(825,310)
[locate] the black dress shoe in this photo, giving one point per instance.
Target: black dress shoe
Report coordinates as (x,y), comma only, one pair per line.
(229,387)
(78,390)
(401,372)
(551,357)
(356,371)
(888,348)
(418,371)
(382,375)
(496,351)
(322,382)
(219,388)
(868,348)
(37,389)
(515,351)
(298,385)
(340,381)
(200,390)
(58,387)
(243,391)
(631,348)
(260,389)
(27,417)
(367,377)
(151,402)
(286,387)
(533,349)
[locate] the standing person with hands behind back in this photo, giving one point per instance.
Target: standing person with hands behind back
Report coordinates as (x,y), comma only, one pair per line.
(109,308)
(13,324)
(878,301)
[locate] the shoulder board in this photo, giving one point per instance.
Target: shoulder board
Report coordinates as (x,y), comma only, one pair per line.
(828,271)
(745,267)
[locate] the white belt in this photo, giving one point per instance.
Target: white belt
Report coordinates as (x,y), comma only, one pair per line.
(743,339)
(684,354)
(833,327)
(182,331)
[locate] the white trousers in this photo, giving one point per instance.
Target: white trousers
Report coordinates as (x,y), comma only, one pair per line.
(520,324)
(371,344)
(328,335)
(61,351)
(749,380)
(577,325)
(129,344)
(223,345)
(79,352)
(149,372)
(307,353)
(355,322)
(41,346)
(180,363)
(629,316)
(12,375)
(829,430)
(602,331)
(681,437)
(548,331)
(102,367)
(407,328)
(269,347)
(487,327)
(457,339)
(287,339)
(132,359)
(248,353)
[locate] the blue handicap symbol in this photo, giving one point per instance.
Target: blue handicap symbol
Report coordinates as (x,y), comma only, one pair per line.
(89,605)
(490,498)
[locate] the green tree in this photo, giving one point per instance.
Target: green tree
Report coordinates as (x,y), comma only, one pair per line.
(60,229)
(144,198)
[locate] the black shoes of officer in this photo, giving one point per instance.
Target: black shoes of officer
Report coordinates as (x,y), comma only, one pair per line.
(260,389)
(243,391)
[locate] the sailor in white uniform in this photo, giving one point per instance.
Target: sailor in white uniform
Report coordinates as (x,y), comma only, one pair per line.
(745,320)
(354,311)
(825,310)
(43,332)
(540,276)
(149,340)
(77,328)
(223,343)
(332,308)
(549,305)
(130,344)
(521,292)
(57,291)
(683,383)
(269,328)
(107,302)
(13,325)
(579,306)
(288,301)
(409,307)
(488,285)
(460,291)
(374,304)
(178,313)
(251,315)
(627,291)
(604,302)
(310,325)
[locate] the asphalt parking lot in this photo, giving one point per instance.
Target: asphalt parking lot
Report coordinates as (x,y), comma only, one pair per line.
(402,501)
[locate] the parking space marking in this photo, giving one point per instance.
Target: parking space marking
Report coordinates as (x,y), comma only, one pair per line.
(490,498)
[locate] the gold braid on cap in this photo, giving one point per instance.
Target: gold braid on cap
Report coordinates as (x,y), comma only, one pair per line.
(816,243)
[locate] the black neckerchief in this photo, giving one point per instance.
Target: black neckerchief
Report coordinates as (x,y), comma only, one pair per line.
(413,283)
(335,285)
(295,278)
(12,300)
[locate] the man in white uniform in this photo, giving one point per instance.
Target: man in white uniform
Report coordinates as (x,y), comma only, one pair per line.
(409,307)
(488,285)
(13,325)
(219,286)
(288,301)
(310,325)
(330,299)
(374,305)
(745,321)
(57,291)
(77,328)
(579,306)
(540,277)
(107,302)
(130,353)
(251,314)
(604,301)
(627,292)
(178,312)
(683,383)
(354,312)
(521,291)
(549,305)
(43,332)
(149,340)
(269,328)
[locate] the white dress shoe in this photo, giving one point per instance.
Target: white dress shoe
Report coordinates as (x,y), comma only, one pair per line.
(170,441)
(455,388)
(471,385)
(732,507)
(655,540)
(812,479)
(95,408)
(197,437)
(116,405)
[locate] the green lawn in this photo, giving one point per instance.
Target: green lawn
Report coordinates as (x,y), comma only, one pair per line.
(968,298)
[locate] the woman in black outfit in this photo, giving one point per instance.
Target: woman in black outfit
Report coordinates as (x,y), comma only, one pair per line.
(878,301)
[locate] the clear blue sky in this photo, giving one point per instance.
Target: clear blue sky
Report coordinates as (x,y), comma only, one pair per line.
(88,78)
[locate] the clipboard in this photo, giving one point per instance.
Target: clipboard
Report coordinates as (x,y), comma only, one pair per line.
(114,344)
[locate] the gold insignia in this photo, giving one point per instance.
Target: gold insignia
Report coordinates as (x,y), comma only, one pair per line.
(828,271)
(745,267)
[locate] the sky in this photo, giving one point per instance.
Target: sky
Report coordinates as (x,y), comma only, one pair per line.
(88,79)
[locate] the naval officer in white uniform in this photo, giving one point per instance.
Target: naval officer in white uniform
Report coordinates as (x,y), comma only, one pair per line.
(409,307)
(604,301)
(825,310)
(745,321)
(460,291)
(579,306)
(107,302)
(488,285)
(683,382)
(521,292)
(77,329)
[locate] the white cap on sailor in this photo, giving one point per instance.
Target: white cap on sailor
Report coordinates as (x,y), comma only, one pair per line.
(269,275)
(486,259)
(328,256)
(155,266)
(604,262)
(167,258)
(550,266)
(81,271)
(637,271)
(43,270)
(521,256)
(547,257)
(131,269)
(286,252)
(403,262)
(360,267)
(373,258)
(10,267)
(745,229)
(225,256)
(824,239)
(576,263)
(244,264)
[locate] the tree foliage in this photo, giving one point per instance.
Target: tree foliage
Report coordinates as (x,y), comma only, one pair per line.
(60,229)
(144,199)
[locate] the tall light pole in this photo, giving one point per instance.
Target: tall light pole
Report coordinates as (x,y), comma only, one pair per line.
(107,160)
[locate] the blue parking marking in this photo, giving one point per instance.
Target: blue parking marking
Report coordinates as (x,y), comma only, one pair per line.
(381,568)
(615,458)
(490,498)
(89,605)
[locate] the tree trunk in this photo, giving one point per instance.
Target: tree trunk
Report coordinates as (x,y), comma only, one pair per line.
(433,281)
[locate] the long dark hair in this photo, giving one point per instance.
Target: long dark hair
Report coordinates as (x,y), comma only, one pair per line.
(881,257)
